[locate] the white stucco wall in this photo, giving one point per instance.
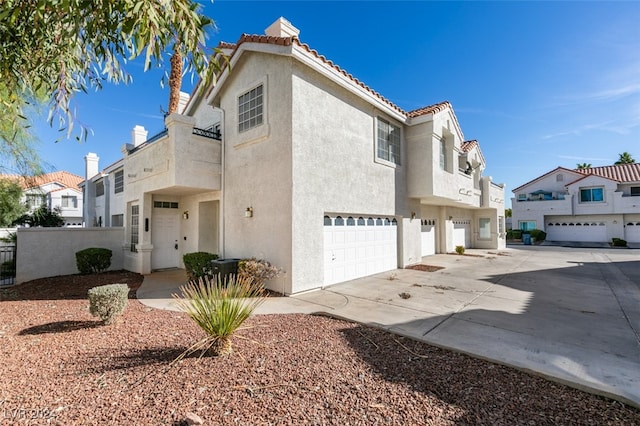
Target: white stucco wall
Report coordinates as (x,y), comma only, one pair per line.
(335,168)
(49,252)
(257,167)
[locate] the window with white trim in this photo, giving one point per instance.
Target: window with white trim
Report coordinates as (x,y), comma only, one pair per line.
(443,154)
(527,225)
(250,109)
(484,228)
(135,227)
(69,201)
(118,182)
(635,191)
(388,141)
(99,188)
(117,220)
(522,197)
(592,195)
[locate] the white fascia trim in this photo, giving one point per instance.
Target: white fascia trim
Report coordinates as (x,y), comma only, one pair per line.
(343,81)
(246,46)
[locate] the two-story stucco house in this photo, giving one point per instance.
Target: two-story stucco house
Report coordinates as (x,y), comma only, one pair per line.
(291,159)
(56,190)
(591,205)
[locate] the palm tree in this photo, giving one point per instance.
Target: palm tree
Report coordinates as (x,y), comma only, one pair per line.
(175,79)
(625,158)
(581,166)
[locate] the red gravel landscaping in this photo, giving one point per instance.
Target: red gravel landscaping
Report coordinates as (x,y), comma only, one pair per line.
(60,366)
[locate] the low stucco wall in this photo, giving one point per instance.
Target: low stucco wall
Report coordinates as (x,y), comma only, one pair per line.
(49,252)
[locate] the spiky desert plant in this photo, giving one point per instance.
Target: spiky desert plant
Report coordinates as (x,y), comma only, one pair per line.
(219,307)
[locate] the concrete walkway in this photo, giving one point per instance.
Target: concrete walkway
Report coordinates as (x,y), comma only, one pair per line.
(569,314)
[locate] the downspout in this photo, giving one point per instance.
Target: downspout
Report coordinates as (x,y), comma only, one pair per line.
(222,183)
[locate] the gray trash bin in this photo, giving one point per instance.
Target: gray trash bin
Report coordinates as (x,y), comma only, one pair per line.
(526,239)
(224,268)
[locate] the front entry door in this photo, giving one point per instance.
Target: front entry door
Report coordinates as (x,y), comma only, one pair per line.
(165,227)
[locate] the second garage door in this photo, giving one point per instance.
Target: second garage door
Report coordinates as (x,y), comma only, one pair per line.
(585,231)
(357,246)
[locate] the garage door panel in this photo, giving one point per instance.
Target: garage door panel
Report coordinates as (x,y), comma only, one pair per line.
(632,232)
(572,230)
(358,246)
(428,237)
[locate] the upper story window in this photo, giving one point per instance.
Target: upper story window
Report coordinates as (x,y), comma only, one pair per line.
(99,188)
(388,142)
(70,201)
(250,106)
(35,200)
(635,191)
(592,195)
(118,181)
(443,154)
(522,197)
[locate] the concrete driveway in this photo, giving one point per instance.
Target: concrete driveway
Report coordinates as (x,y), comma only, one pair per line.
(569,314)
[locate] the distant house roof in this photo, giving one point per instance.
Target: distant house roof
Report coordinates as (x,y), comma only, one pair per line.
(617,172)
(621,173)
(65,179)
(543,176)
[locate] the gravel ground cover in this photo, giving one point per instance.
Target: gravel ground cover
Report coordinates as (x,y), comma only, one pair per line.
(60,366)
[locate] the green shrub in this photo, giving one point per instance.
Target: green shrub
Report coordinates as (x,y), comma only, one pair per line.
(7,269)
(108,301)
(219,309)
(198,264)
(618,242)
(460,250)
(257,270)
(93,260)
(514,234)
(538,234)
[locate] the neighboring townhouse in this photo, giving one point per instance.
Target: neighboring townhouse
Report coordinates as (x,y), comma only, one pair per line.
(591,205)
(291,159)
(56,190)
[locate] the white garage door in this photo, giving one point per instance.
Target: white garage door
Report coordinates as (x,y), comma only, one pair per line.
(357,246)
(462,232)
(586,231)
(428,236)
(632,232)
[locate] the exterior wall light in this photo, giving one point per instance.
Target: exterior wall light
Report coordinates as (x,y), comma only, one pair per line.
(185,214)
(248,212)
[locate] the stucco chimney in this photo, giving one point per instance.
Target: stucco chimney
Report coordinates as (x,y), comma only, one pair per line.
(90,165)
(138,135)
(282,28)
(182,103)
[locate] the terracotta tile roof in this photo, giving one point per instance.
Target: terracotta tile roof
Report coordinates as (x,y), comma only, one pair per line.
(467,146)
(288,41)
(66,179)
(431,109)
(617,172)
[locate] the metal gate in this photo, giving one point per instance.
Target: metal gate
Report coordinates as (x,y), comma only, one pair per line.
(7,265)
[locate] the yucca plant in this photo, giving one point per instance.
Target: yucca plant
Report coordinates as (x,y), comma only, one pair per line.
(219,308)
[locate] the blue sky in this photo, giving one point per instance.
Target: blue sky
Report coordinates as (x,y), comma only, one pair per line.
(538,84)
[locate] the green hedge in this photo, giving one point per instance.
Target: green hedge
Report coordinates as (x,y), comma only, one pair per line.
(93,260)
(538,234)
(198,264)
(618,242)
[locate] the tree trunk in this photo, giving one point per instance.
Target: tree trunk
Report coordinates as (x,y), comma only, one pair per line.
(175,79)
